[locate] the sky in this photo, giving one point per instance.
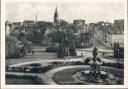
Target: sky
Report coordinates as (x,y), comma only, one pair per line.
(89,11)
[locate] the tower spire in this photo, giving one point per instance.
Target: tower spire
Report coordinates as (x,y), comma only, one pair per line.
(56,17)
(56,10)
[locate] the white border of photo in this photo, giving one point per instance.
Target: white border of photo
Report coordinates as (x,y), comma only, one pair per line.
(3,14)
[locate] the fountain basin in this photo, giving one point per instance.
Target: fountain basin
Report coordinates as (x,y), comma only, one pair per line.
(65,77)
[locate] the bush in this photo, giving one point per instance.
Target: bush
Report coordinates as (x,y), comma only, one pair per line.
(118,51)
(51,50)
(16,47)
(35,64)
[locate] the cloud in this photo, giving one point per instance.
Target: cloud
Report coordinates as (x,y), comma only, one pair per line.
(94,12)
(91,12)
(24,11)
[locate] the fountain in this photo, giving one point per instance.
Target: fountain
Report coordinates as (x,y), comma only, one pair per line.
(95,74)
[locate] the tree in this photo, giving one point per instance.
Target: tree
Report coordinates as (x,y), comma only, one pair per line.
(72,48)
(118,51)
(60,53)
(17,46)
(57,36)
(12,47)
(83,40)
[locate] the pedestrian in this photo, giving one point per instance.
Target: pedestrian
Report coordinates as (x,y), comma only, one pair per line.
(33,52)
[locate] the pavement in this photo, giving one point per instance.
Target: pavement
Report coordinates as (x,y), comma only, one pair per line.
(45,61)
(103,43)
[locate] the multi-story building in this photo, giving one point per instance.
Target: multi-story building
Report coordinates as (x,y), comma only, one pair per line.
(115,37)
(101,30)
(98,31)
(8,27)
(99,34)
(79,22)
(80,26)
(28,23)
(119,24)
(16,25)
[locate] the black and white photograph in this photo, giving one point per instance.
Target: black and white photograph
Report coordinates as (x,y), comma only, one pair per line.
(64,42)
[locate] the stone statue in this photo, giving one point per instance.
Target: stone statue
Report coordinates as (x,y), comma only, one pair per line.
(95,62)
(94,75)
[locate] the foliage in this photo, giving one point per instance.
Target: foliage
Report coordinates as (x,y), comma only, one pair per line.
(36,31)
(57,36)
(12,47)
(118,51)
(84,40)
(60,51)
(35,64)
(17,46)
(85,36)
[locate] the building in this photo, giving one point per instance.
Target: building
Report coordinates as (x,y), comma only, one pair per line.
(91,27)
(100,30)
(80,26)
(99,34)
(106,27)
(119,24)
(97,30)
(8,27)
(16,25)
(79,22)
(28,23)
(56,16)
(115,37)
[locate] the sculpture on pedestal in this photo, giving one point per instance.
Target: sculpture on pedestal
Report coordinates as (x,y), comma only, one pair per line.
(95,62)
(94,74)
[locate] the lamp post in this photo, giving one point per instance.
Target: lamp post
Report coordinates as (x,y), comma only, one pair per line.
(118,56)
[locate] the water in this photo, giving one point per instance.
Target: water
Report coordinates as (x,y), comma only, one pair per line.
(23,81)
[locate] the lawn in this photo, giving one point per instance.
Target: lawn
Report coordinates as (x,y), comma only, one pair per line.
(36,57)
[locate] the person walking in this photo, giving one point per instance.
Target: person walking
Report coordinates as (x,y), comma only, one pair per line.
(33,52)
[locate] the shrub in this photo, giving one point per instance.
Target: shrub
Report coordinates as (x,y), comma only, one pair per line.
(35,64)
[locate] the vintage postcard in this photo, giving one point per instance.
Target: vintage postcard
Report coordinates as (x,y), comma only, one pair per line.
(64,44)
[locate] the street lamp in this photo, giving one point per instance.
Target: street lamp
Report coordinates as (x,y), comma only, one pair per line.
(117,53)
(118,56)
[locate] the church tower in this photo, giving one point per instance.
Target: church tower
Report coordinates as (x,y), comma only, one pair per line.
(56,17)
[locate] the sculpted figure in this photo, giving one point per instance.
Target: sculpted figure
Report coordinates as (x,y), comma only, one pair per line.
(95,62)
